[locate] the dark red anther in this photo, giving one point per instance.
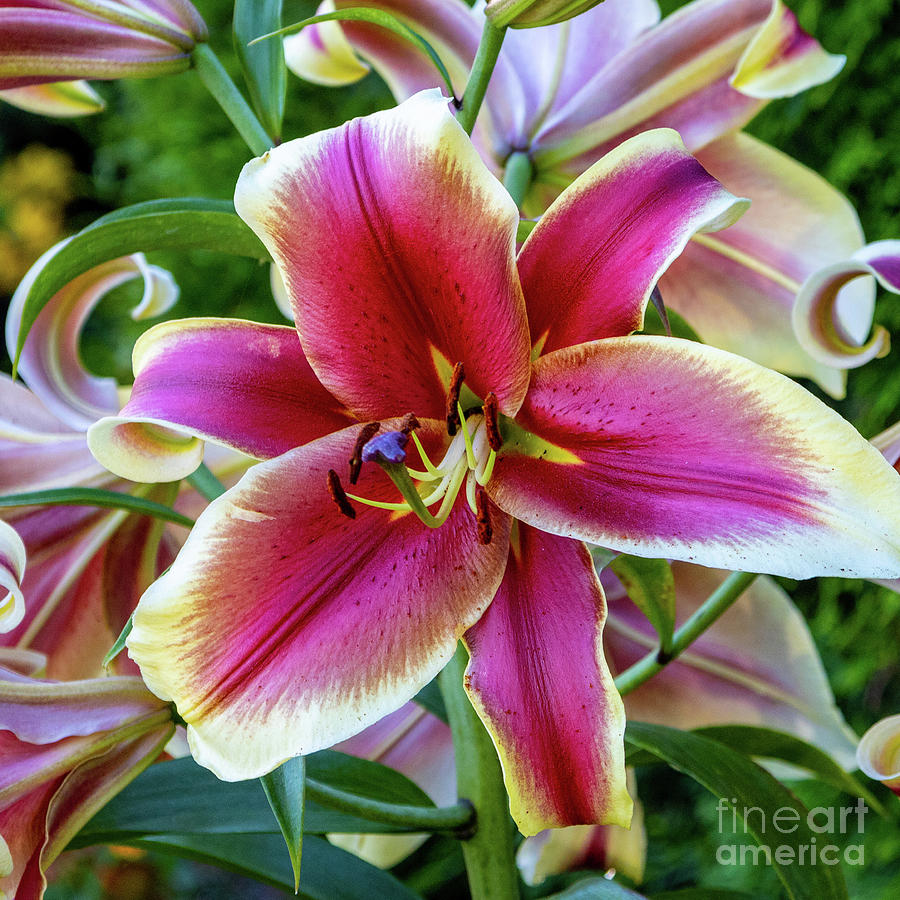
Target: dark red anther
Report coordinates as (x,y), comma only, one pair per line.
(483,515)
(409,423)
(366,433)
(491,425)
(335,488)
(453,421)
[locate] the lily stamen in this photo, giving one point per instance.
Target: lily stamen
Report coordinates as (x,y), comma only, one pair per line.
(366,433)
(454,414)
(335,488)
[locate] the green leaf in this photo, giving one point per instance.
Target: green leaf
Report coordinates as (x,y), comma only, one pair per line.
(525,227)
(119,644)
(284,788)
(263,64)
(95,497)
(651,588)
(328,872)
(373,17)
(188,223)
(702,893)
(755,741)
(430,698)
(679,327)
(596,889)
(740,783)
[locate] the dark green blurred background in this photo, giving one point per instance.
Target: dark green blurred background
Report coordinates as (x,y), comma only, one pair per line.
(167,138)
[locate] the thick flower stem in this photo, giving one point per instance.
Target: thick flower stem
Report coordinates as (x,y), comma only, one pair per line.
(517,175)
(212,73)
(489,852)
(718,602)
(482,68)
(456,818)
(205,483)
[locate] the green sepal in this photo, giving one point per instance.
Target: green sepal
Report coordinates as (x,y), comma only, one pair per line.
(284,789)
(373,17)
(651,588)
(119,644)
(738,781)
(188,223)
(263,64)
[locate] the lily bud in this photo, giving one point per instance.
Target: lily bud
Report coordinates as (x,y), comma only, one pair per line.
(532,13)
(44,41)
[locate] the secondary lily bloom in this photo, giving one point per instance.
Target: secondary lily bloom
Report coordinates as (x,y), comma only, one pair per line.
(67,749)
(60,40)
(286,625)
(12,568)
(878,755)
(532,13)
(87,566)
(564,95)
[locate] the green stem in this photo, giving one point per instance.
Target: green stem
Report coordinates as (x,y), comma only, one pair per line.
(417,818)
(482,68)
(205,483)
(517,175)
(489,853)
(212,73)
(718,602)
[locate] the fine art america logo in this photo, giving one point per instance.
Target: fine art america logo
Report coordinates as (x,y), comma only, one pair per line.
(822,821)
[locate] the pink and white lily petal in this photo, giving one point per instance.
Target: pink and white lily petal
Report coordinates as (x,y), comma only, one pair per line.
(888,442)
(605,241)
(61,99)
(322,54)
(287,644)
(418,744)
(51,361)
(43,43)
(737,288)
(756,665)
(818,311)
(538,680)
(878,755)
(242,384)
(679,75)
(12,569)
(668,448)
(782,60)
(392,267)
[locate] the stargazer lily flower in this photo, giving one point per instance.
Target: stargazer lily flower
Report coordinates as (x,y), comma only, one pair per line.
(63,99)
(311,600)
(562,96)
(45,41)
(12,568)
(87,566)
(68,748)
(878,755)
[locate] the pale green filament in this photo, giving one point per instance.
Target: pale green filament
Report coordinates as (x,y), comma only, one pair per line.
(470,452)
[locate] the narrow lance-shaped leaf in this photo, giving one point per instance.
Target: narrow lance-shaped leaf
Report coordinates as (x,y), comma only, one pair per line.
(284,789)
(743,785)
(373,17)
(651,588)
(262,63)
(187,223)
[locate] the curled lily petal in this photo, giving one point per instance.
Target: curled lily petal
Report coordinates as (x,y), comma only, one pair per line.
(12,568)
(51,361)
(819,317)
(888,442)
(878,754)
(756,665)
(245,385)
(268,661)
(782,59)
(538,679)
(662,447)
(737,288)
(611,234)
(395,272)
(322,54)
(62,99)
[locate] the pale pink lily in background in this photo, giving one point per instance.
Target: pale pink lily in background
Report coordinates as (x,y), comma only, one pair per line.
(878,755)
(284,626)
(67,748)
(566,94)
(12,570)
(87,566)
(62,99)
(48,41)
